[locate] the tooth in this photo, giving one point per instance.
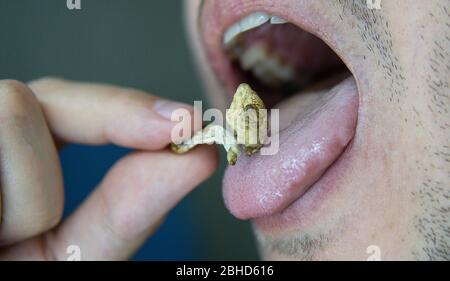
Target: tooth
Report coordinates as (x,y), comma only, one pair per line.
(231,33)
(273,66)
(277,20)
(252,56)
(251,21)
(263,74)
(266,71)
(267,68)
(281,70)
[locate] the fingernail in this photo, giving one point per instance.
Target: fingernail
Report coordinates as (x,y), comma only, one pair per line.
(165,108)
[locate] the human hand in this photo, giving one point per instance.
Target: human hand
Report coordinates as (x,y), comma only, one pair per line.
(131,200)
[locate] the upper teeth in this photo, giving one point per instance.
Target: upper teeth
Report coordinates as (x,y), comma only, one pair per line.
(277,20)
(249,22)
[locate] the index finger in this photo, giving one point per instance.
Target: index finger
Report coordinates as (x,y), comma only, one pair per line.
(91,113)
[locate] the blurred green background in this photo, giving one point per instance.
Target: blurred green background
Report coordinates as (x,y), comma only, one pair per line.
(139,44)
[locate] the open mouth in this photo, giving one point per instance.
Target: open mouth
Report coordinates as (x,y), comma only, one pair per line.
(261,49)
(297,72)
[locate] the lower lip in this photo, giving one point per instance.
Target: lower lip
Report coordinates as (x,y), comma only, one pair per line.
(305,211)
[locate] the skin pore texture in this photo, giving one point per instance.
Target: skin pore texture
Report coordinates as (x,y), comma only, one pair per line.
(393,190)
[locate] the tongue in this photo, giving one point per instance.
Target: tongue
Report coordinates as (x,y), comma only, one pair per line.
(314,130)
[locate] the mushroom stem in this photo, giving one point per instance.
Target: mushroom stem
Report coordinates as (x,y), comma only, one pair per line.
(209,135)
